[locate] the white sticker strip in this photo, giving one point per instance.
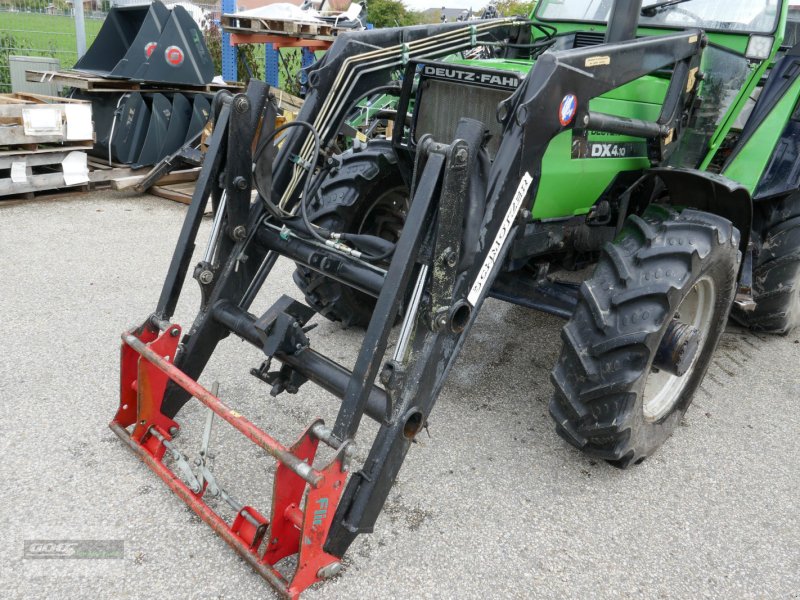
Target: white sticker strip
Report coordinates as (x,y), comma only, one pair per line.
(76,168)
(19,172)
(500,239)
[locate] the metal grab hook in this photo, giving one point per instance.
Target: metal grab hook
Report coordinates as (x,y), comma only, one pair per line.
(181,463)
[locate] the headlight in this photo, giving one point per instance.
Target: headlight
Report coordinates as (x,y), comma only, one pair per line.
(760,47)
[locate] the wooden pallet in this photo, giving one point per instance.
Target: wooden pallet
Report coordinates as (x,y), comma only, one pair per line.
(177,192)
(94,83)
(28,149)
(44,174)
(287,102)
(173,188)
(183,176)
(30,121)
(298,29)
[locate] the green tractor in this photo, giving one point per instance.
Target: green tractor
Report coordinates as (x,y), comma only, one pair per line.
(633,169)
(683,202)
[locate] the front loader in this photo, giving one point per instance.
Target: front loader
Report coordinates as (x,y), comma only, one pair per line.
(416,229)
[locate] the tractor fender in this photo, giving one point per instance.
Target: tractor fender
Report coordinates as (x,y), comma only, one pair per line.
(708,192)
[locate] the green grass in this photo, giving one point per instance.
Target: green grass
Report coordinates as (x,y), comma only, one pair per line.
(45,35)
(36,34)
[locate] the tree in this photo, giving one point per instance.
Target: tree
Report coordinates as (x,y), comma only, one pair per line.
(389,13)
(513,8)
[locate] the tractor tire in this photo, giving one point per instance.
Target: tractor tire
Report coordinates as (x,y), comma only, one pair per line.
(366,195)
(665,269)
(776,270)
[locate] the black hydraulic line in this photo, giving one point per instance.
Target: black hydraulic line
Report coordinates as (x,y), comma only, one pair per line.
(323,260)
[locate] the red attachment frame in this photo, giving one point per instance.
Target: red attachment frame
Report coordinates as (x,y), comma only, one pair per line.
(296,525)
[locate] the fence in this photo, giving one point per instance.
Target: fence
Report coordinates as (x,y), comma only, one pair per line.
(47,28)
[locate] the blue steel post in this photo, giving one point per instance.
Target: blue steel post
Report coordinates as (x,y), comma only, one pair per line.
(307,58)
(271,72)
(230,71)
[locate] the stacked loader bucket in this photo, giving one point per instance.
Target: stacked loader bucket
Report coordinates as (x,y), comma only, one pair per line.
(153,45)
(141,128)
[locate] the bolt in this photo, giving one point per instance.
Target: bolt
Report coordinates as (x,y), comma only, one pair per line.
(586,120)
(441,320)
(450,257)
(174,332)
(298,347)
(461,156)
(522,115)
(240,183)
(386,375)
(239,232)
(241,104)
(173,431)
(206,277)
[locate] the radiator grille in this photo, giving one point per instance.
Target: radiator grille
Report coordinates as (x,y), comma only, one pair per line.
(585,39)
(443,103)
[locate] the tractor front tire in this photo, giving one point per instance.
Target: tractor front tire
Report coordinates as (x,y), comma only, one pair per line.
(365,195)
(776,271)
(665,271)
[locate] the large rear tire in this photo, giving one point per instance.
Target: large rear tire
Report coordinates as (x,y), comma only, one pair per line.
(776,271)
(609,400)
(366,195)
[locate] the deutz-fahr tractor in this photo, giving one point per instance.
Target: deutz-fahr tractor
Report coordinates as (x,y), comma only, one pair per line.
(631,168)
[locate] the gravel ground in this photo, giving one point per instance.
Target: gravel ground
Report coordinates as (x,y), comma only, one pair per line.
(491,505)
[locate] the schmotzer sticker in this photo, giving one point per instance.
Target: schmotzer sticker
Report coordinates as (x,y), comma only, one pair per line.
(569,106)
(500,239)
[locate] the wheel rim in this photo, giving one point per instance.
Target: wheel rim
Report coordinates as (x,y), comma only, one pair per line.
(662,390)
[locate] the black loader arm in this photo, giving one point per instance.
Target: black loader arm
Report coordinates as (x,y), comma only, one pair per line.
(534,117)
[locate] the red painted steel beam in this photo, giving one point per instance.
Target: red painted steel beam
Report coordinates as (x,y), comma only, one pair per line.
(204,512)
(248,429)
(279,41)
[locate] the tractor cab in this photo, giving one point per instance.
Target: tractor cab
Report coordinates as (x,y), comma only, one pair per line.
(744,39)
